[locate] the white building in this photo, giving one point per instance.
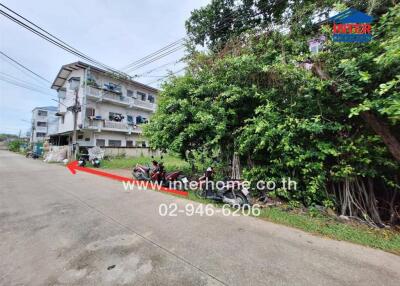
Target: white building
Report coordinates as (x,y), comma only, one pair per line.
(112,109)
(44,123)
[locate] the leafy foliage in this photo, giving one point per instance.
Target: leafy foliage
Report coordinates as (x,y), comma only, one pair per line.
(254,97)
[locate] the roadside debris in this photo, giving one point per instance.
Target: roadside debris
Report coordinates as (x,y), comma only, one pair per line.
(95,152)
(56,154)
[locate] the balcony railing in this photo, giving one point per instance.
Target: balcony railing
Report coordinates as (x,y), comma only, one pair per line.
(120,99)
(115,125)
(112,126)
(116,97)
(143,104)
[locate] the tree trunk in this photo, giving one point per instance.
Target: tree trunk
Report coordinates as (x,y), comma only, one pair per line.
(380,127)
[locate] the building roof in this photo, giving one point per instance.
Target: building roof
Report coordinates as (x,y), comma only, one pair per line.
(66,70)
(48,108)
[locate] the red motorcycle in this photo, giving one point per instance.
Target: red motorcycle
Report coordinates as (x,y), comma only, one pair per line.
(157,173)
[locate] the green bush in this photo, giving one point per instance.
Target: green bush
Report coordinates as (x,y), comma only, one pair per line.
(15,145)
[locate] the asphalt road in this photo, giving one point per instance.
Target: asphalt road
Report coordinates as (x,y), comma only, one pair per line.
(62,229)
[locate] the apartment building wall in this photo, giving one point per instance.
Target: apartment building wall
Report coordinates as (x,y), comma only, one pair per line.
(89,129)
(44,123)
(67,98)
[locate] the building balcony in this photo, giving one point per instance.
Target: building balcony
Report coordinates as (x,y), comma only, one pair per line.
(41,118)
(118,99)
(41,129)
(108,125)
(145,105)
(107,96)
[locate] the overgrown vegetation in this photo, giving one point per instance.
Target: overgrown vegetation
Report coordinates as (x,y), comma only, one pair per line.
(330,121)
(15,145)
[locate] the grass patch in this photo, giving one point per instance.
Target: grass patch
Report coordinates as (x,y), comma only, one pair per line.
(388,240)
(171,163)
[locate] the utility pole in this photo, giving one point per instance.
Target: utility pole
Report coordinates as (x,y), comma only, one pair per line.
(75,109)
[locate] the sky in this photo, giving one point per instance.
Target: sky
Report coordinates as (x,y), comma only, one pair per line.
(113,32)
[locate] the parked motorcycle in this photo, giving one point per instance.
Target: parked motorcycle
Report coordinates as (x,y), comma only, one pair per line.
(82,161)
(142,172)
(32,155)
(228,191)
(157,173)
(95,162)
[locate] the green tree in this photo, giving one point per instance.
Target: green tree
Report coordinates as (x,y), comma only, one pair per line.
(332,128)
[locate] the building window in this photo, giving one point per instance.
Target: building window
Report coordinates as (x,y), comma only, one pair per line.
(140,119)
(129,93)
(114,143)
(129,143)
(115,116)
(42,113)
(151,98)
(41,124)
(80,137)
(140,143)
(40,134)
(112,87)
(100,142)
(141,95)
(90,111)
(129,118)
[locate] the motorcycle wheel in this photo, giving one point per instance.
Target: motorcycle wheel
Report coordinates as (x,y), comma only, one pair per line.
(201,193)
(137,175)
(240,198)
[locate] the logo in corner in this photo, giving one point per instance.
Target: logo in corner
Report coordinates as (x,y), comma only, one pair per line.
(351,26)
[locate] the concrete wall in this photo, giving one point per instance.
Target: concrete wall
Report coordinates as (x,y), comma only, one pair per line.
(130,152)
(83,137)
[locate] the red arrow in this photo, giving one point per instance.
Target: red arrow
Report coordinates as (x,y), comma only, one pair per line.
(73,167)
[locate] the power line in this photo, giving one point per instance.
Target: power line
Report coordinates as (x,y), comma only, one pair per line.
(156,68)
(168,75)
(16,83)
(155,59)
(167,50)
(24,67)
(169,46)
(55,40)
(20,80)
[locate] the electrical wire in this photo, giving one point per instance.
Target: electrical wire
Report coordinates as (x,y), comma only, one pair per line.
(55,40)
(155,59)
(167,50)
(22,81)
(16,83)
(169,46)
(168,75)
(156,68)
(24,67)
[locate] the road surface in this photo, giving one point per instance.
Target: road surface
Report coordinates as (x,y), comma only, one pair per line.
(62,229)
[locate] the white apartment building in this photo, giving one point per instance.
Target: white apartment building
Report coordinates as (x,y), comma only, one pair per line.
(44,123)
(112,109)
